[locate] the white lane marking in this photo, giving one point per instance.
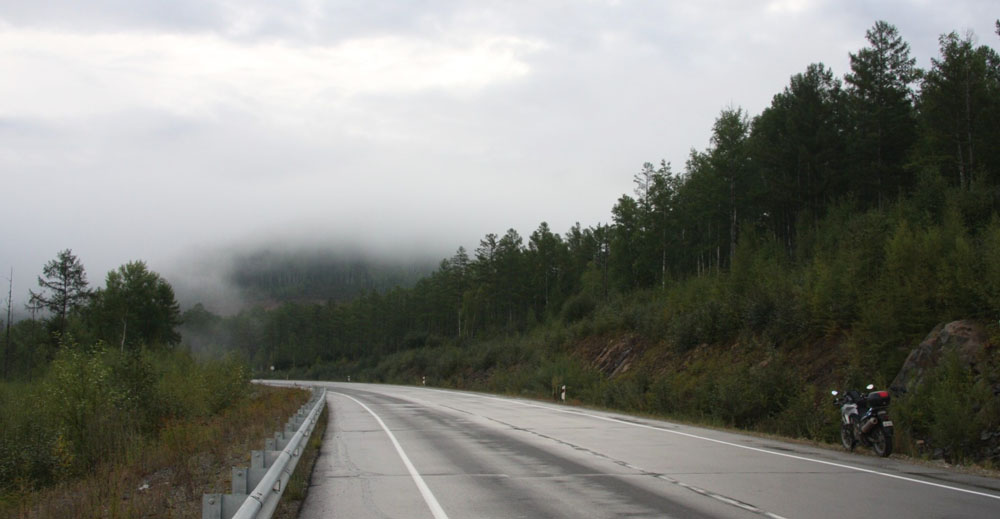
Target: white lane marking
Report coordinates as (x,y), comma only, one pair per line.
(755,449)
(425,491)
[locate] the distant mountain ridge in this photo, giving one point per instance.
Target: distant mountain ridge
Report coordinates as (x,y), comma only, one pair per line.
(295,276)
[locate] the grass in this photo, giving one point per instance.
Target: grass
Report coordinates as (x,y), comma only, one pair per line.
(167,475)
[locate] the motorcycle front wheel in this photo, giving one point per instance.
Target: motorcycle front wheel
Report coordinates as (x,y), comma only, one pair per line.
(847,437)
(881,442)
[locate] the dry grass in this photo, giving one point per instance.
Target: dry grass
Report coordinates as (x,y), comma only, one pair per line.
(167,477)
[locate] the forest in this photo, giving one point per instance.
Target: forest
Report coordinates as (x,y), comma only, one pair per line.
(266,276)
(811,245)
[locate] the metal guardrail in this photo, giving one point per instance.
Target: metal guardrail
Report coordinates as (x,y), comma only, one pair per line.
(257,489)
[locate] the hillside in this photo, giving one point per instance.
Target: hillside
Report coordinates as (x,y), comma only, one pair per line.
(809,247)
(271,277)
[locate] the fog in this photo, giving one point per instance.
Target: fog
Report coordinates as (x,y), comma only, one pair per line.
(188,133)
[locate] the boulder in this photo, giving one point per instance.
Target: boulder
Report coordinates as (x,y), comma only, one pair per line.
(967,338)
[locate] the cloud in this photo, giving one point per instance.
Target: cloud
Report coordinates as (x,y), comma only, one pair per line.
(81,75)
(148,130)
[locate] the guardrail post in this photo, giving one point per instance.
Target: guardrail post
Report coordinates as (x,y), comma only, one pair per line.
(211,506)
(280,440)
(240,481)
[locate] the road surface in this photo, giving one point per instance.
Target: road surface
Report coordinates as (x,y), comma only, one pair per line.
(413,452)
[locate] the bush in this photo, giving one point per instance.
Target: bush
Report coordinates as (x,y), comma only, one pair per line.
(96,405)
(950,409)
(79,396)
(709,322)
(580,306)
(627,392)
(28,450)
(807,414)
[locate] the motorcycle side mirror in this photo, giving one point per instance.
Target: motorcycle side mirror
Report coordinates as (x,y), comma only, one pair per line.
(834,392)
(870,387)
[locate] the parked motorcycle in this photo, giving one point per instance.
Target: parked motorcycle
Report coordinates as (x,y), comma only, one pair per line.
(865,419)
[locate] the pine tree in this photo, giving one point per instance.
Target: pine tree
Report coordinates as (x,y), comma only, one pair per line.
(64,288)
(960,110)
(797,147)
(881,110)
(730,160)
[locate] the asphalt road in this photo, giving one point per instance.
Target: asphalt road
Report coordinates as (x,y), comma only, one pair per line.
(408,452)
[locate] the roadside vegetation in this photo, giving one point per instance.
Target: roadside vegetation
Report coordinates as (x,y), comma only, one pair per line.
(104,413)
(158,474)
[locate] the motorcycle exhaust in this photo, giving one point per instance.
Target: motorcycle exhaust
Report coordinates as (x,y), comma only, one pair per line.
(868,425)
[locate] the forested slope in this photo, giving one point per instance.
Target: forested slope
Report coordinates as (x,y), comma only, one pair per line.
(810,245)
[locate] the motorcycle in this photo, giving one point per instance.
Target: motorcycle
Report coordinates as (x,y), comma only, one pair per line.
(865,419)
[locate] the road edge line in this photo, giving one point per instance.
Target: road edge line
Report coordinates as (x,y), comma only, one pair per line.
(723,442)
(425,491)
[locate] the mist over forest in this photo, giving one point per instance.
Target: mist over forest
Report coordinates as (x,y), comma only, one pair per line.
(267,274)
(271,277)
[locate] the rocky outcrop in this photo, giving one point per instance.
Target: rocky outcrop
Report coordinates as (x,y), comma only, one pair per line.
(616,356)
(966,338)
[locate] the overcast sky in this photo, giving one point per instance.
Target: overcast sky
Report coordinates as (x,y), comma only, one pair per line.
(170,131)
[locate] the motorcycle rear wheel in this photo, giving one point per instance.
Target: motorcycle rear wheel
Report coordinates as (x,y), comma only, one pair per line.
(881,442)
(847,437)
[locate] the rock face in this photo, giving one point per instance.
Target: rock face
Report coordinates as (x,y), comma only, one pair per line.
(967,338)
(617,355)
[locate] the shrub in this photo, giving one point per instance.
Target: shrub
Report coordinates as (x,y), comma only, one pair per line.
(580,306)
(626,392)
(950,409)
(708,322)
(96,404)
(746,396)
(29,453)
(79,396)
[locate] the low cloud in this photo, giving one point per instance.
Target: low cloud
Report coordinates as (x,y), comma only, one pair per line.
(173,133)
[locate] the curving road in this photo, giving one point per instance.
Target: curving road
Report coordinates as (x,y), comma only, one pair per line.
(409,452)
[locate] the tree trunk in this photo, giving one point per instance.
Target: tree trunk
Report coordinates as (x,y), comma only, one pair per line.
(6,348)
(968,124)
(732,224)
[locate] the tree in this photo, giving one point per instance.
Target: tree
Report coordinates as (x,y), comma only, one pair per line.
(626,235)
(702,203)
(662,218)
(880,100)
(7,346)
(581,253)
(959,109)
(457,281)
(136,307)
(730,161)
(545,258)
(64,288)
(511,277)
(797,146)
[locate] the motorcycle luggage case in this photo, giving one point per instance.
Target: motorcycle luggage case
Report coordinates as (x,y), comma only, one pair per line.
(878,399)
